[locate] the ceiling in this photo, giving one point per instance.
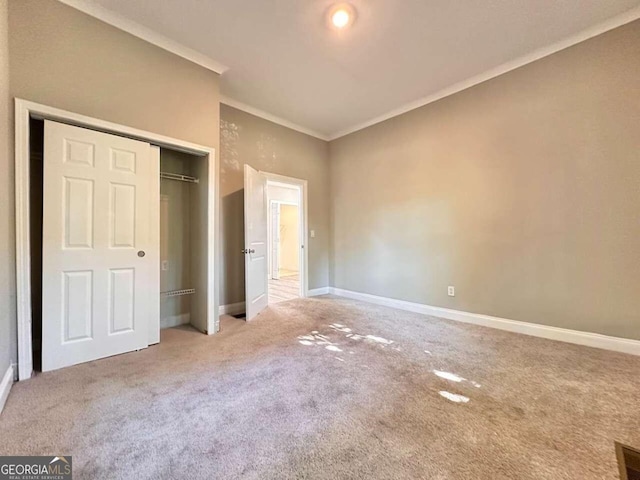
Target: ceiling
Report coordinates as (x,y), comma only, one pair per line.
(281,61)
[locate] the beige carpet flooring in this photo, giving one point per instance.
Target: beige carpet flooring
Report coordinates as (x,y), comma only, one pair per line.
(331,388)
(287,287)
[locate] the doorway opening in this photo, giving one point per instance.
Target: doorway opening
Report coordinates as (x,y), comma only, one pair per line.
(284,239)
(271,276)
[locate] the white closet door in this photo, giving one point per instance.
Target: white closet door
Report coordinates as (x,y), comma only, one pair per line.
(97,279)
(255,235)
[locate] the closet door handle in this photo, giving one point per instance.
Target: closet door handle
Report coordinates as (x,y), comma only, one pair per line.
(248,250)
(141,253)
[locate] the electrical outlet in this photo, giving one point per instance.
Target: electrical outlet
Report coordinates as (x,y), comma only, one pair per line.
(164,265)
(313,234)
(451,291)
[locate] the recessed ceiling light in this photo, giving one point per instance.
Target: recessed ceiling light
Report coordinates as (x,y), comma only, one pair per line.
(341,16)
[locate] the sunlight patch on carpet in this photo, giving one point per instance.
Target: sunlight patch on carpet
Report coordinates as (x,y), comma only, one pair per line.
(449,376)
(454,378)
(318,339)
(454,397)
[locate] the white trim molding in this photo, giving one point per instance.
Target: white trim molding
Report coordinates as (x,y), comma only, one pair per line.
(151,36)
(232,308)
(595,30)
(588,339)
(318,291)
(256,112)
(24,110)
(5,386)
(122,23)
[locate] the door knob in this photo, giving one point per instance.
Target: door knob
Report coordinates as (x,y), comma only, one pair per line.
(141,253)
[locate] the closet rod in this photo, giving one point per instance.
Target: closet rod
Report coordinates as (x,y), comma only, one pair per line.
(179,177)
(176,293)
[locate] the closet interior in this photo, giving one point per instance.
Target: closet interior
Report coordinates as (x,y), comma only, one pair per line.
(181,216)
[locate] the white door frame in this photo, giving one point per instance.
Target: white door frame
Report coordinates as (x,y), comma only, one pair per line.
(24,111)
(304,226)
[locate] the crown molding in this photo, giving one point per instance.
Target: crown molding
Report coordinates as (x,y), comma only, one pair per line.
(146,34)
(610,24)
(272,118)
(203,60)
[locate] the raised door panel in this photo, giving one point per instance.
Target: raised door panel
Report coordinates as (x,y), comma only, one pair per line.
(123,160)
(78,206)
(77,306)
(79,153)
(121,300)
(122,212)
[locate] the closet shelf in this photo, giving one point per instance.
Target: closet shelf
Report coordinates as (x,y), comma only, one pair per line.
(177,293)
(179,177)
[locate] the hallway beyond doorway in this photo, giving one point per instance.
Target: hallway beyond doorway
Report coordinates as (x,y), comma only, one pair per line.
(287,287)
(284,241)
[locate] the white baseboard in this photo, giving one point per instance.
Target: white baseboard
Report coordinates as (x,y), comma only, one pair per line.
(232,309)
(175,320)
(588,339)
(318,291)
(5,386)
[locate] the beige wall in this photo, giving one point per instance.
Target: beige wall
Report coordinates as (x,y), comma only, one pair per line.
(266,146)
(66,59)
(522,192)
(7,283)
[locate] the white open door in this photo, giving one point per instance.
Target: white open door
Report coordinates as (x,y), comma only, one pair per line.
(255,241)
(98,283)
